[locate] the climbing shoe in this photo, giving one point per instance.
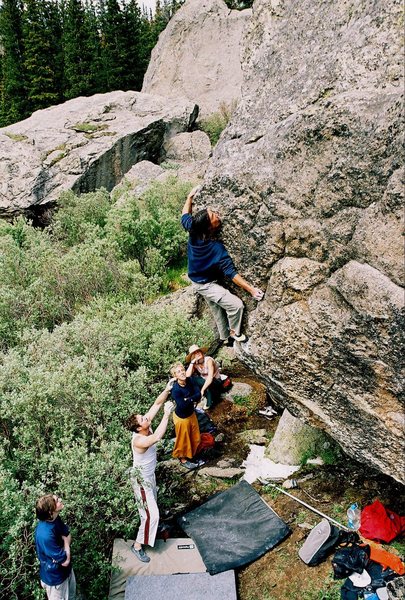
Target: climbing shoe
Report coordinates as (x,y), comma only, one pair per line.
(241,338)
(189,465)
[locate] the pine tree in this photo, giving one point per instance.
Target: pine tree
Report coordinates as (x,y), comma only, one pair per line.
(13,93)
(113,55)
(93,21)
(133,56)
(42,59)
(81,49)
(53,13)
(158,23)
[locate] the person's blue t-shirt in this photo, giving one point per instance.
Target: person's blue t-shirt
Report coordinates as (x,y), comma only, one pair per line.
(185,396)
(207,259)
(50,552)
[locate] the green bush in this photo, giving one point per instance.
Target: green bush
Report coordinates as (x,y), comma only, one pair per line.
(78,216)
(214,124)
(81,348)
(44,285)
(92,249)
(150,225)
(18,569)
(63,398)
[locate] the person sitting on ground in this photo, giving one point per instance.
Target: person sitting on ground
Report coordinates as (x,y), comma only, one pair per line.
(205,372)
(52,542)
(186,394)
(143,478)
(208,259)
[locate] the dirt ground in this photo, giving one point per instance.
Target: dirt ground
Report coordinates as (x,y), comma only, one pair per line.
(280,574)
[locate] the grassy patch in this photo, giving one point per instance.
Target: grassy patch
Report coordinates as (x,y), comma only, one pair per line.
(271,491)
(329,591)
(324,447)
(95,134)
(250,403)
(57,159)
(301,517)
(174,277)
(338,512)
(170,166)
(61,148)
(16,137)
(89,127)
(399,546)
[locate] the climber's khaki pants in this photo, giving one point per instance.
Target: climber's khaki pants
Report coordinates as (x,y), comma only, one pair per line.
(226,307)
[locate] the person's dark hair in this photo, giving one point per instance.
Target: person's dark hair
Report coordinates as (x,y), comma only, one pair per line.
(201,223)
(45,507)
(132,423)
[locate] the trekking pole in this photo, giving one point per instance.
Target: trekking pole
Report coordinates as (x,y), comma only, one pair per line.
(308,506)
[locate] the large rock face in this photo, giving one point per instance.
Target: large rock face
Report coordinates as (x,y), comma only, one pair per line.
(84,144)
(308,179)
(198,55)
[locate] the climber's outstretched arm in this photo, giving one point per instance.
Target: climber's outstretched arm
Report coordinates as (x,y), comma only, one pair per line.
(256,293)
(188,205)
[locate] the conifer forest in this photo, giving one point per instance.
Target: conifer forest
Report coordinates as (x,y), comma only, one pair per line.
(55,50)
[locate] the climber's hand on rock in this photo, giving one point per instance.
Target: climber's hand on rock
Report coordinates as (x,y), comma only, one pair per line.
(194,191)
(257,294)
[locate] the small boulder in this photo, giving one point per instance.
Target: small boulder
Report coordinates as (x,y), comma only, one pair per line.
(187,147)
(292,440)
(239,389)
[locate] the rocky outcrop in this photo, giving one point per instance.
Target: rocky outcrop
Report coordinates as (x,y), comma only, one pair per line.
(308,180)
(198,55)
(307,176)
(84,144)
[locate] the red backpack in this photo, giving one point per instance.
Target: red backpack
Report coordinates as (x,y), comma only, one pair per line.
(380,523)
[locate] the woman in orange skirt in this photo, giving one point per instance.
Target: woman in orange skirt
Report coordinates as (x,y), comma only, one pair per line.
(186,394)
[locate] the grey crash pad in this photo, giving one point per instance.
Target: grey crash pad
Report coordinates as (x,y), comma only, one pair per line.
(195,586)
(234,528)
(176,555)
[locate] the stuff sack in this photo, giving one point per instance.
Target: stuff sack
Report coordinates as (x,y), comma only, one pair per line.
(379,523)
(207,441)
(350,559)
(321,542)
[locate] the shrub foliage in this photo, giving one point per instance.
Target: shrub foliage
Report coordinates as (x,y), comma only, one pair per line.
(82,348)
(214,124)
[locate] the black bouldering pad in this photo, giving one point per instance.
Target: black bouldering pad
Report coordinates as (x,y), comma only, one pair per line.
(233,528)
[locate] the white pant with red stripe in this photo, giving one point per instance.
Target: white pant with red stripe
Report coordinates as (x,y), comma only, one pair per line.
(146,497)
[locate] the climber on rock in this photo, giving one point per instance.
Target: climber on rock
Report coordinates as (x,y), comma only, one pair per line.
(208,259)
